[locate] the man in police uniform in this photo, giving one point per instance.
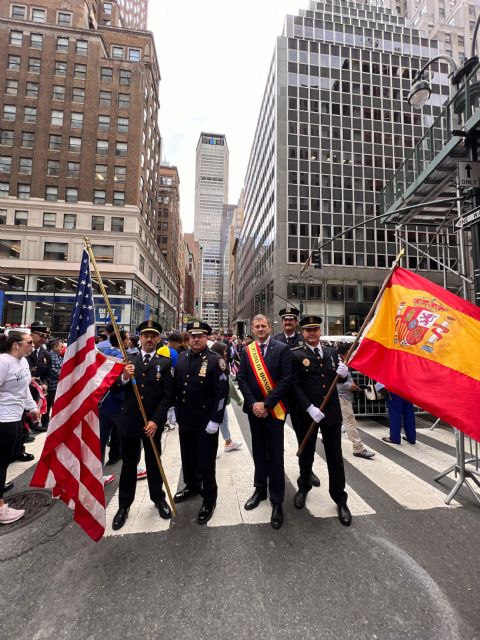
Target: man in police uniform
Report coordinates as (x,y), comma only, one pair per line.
(153,377)
(289,336)
(200,396)
(40,363)
(314,370)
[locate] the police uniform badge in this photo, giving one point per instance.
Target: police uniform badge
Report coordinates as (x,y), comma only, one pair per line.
(158,375)
(203,369)
(222,364)
(306,362)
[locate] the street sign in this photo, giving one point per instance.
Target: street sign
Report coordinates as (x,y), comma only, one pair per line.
(469,218)
(468,174)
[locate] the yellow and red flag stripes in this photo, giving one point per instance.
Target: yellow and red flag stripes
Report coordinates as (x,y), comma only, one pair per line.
(424,344)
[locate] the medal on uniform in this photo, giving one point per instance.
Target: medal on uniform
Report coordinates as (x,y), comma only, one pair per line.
(203,369)
(159,375)
(306,362)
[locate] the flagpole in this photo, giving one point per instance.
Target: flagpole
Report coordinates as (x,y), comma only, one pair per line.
(121,346)
(369,316)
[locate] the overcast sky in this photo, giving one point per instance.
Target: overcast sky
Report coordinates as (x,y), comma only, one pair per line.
(214,57)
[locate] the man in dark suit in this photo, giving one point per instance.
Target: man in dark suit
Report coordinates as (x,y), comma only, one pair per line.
(153,376)
(200,397)
(40,363)
(264,379)
(314,370)
(289,336)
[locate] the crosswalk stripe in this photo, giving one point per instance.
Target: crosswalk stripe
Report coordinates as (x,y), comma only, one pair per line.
(17,468)
(446,436)
(319,502)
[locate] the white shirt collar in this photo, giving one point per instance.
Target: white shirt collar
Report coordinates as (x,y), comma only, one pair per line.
(266,341)
(318,346)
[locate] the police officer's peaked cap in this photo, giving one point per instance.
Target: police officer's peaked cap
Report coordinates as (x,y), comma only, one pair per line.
(198,326)
(289,313)
(40,328)
(310,322)
(150,325)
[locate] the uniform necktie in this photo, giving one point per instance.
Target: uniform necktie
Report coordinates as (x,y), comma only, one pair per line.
(317,352)
(290,339)
(146,358)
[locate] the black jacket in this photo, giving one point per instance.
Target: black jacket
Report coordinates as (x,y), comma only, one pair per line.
(200,388)
(154,382)
(296,341)
(41,365)
(279,364)
(312,378)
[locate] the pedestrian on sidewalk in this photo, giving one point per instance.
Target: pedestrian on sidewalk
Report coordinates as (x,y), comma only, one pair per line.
(398,409)
(230,445)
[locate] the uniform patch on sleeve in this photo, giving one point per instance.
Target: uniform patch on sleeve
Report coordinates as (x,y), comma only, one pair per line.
(222,364)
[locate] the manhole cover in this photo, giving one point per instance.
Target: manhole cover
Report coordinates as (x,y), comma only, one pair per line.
(35,502)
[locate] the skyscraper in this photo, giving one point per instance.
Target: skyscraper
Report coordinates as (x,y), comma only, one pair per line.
(211,193)
(333,125)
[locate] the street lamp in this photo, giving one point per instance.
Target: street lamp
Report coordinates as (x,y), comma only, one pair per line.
(421,89)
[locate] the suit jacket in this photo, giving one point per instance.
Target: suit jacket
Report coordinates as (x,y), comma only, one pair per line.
(154,382)
(200,387)
(41,366)
(312,378)
(279,364)
(296,341)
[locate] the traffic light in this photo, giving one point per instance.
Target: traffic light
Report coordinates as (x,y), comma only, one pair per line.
(316,259)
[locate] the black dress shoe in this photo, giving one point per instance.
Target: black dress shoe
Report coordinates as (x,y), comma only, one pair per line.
(185,493)
(344,514)
(315,480)
(120,518)
(255,499)
(163,509)
(29,438)
(39,428)
(25,457)
(8,486)
(300,499)
(205,513)
(277,516)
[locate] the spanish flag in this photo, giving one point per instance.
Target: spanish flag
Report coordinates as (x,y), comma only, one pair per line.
(423,343)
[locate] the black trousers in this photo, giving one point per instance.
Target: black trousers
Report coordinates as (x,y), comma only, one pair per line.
(198,450)
(130,450)
(10,435)
(267,450)
(332,441)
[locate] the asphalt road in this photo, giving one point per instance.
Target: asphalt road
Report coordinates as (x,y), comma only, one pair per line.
(395,574)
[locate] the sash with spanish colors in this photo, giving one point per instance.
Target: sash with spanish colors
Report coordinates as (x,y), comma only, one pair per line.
(264,379)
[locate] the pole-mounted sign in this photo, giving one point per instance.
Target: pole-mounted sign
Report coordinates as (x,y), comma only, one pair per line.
(468,174)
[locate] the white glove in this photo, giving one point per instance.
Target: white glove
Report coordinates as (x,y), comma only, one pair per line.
(342,370)
(171,417)
(212,427)
(315,413)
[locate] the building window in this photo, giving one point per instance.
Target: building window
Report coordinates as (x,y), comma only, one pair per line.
(39,15)
(73,169)
(98,223)
(71,194)
(19,12)
(14,63)
(120,174)
(70,221)
(25,166)
(10,248)
(58,92)
(121,149)
(102,252)
(64,19)
(76,120)
(123,100)
(74,144)
(9,112)
(125,76)
(31,89)
(104,123)
(21,218)
(5,164)
(55,142)
(30,114)
(51,194)
(117,224)
(118,198)
(141,264)
(102,147)
(3,216)
(60,68)
(23,191)
(53,168)
(36,40)
(134,55)
(50,220)
(106,74)
(62,44)
(81,47)
(105,98)
(100,171)
(122,125)
(78,95)
(57,118)
(55,251)
(16,38)
(80,71)
(107,8)
(4,189)
(99,196)
(6,138)
(28,139)
(11,87)
(118,53)
(34,65)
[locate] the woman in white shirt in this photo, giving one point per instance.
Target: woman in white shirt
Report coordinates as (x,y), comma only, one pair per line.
(15,398)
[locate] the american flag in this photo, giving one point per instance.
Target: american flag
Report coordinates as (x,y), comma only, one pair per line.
(70,464)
